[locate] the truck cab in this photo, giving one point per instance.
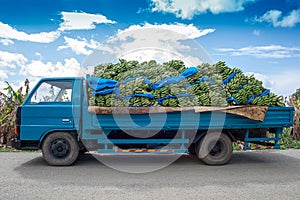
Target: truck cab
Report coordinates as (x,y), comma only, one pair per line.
(46,112)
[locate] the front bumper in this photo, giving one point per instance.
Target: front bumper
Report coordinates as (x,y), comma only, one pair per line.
(15,143)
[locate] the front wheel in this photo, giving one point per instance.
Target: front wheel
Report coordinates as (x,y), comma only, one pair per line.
(60,148)
(214,149)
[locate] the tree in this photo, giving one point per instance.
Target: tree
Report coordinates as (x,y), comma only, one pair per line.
(9,101)
(295,101)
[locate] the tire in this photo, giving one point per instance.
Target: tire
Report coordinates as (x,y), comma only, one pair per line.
(192,149)
(83,151)
(214,149)
(60,149)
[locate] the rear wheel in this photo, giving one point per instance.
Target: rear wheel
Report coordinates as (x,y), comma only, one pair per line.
(214,149)
(60,148)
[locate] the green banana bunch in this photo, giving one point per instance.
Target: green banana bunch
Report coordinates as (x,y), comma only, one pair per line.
(240,87)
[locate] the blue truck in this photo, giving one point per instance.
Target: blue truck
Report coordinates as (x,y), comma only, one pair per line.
(56,118)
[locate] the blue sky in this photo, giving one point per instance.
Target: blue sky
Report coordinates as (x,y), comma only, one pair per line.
(55,37)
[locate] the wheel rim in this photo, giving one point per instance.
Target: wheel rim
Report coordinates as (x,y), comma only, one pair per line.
(215,148)
(60,148)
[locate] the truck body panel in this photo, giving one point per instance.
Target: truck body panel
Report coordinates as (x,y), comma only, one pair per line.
(190,120)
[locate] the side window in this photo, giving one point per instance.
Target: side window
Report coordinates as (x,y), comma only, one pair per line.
(53,91)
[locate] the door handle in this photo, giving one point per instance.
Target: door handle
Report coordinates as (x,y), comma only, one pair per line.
(65,120)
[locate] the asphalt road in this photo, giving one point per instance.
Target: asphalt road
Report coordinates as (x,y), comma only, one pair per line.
(249,175)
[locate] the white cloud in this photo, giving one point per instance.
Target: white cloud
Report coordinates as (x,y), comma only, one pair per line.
(187,9)
(158,35)
(11,60)
(79,46)
(82,21)
(8,32)
(3,75)
(39,55)
(6,42)
(267,82)
(37,68)
(71,21)
(183,31)
(286,82)
(283,83)
(271,51)
(161,42)
(276,18)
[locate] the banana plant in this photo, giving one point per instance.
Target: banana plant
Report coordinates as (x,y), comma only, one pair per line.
(9,101)
(294,100)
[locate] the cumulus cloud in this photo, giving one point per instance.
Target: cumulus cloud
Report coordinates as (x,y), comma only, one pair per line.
(82,21)
(9,63)
(8,32)
(277,19)
(270,51)
(79,46)
(183,31)
(6,42)
(161,42)
(71,21)
(11,60)
(37,68)
(3,75)
(284,83)
(267,82)
(187,9)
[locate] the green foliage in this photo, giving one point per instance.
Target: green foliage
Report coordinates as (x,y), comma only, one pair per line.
(296,95)
(235,147)
(5,149)
(9,101)
(287,140)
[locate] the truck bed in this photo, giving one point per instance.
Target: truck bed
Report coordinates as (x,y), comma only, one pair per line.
(275,117)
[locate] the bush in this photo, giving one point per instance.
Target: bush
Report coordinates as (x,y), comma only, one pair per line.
(287,140)
(9,101)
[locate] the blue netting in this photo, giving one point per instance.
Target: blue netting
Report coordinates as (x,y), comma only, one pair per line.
(100,83)
(189,72)
(241,87)
(150,96)
(160,100)
(231,76)
(203,79)
(176,79)
(232,99)
(107,91)
(264,93)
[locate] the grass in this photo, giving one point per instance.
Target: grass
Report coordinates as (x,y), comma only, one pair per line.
(9,149)
(5,149)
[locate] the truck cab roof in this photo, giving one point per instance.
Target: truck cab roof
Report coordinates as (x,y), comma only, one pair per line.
(61,78)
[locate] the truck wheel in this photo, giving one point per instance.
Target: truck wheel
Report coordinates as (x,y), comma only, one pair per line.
(214,149)
(60,148)
(192,149)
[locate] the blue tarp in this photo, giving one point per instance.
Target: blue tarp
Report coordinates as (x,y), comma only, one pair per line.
(100,83)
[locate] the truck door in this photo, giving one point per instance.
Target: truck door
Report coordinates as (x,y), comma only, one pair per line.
(48,108)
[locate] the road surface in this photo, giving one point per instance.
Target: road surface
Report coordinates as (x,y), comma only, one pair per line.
(249,175)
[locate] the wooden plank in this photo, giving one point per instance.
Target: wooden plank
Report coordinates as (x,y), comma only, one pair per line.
(252,112)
